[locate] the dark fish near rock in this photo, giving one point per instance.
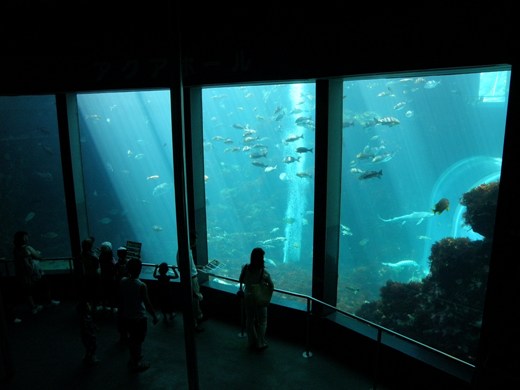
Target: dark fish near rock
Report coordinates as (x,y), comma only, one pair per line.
(441,205)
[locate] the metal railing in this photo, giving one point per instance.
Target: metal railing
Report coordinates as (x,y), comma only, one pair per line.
(310,301)
(7,268)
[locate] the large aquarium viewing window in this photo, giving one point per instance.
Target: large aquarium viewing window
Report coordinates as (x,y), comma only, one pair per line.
(259,173)
(31,180)
(419,173)
(126,149)
(421,170)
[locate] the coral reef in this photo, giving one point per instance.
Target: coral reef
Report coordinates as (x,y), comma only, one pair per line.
(444,310)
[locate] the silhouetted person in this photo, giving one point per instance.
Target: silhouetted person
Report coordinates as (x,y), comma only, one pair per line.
(28,272)
(195,286)
(88,330)
(165,289)
(107,265)
(256,315)
(134,303)
(90,263)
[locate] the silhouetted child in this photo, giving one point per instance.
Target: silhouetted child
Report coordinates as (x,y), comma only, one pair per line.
(134,303)
(107,266)
(88,330)
(165,289)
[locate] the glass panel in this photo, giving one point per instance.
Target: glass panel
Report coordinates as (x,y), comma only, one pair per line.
(31,179)
(421,166)
(259,170)
(126,148)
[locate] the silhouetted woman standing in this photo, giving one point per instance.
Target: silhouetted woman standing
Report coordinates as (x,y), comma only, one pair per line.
(256,314)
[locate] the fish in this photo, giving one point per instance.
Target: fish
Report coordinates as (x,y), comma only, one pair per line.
(224,282)
(29,216)
(105,221)
(152,177)
(364,156)
(303,149)
(399,106)
(293,138)
(270,169)
(270,241)
(370,174)
(388,121)
(381,158)
(304,174)
(416,215)
(157,228)
(259,164)
(402,264)
(49,235)
(161,189)
(279,116)
(308,123)
(259,154)
(345,230)
(248,132)
(290,159)
(233,149)
(441,205)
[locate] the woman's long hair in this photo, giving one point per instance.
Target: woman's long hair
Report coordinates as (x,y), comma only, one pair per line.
(19,238)
(257,258)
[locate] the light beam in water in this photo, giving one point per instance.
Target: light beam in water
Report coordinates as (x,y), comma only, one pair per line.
(297,188)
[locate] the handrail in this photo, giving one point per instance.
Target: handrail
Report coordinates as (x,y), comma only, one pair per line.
(69,259)
(309,300)
(380,329)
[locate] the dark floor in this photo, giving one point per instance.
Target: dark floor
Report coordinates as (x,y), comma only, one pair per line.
(47,354)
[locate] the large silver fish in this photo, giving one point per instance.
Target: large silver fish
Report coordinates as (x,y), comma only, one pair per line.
(402,264)
(415,216)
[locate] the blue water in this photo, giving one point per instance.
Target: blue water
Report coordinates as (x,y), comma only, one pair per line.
(445,140)
(269,204)
(127,159)
(448,141)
